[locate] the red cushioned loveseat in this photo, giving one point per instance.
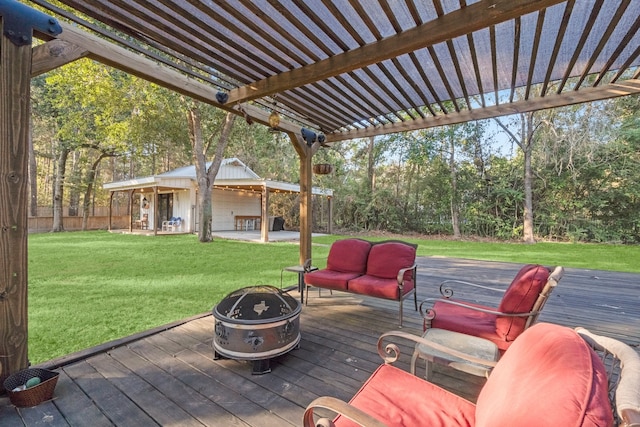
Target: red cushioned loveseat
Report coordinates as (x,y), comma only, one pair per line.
(384,269)
(549,377)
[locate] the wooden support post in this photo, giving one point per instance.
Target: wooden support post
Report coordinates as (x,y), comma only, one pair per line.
(15,80)
(306,215)
(330,220)
(264,215)
(156,211)
(305,152)
(110,209)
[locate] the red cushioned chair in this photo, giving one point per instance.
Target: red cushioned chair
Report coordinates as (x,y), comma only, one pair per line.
(347,260)
(519,308)
(551,376)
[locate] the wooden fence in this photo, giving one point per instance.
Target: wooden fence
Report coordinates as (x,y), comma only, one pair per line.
(40,224)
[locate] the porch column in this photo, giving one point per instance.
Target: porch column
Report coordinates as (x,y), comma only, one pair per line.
(264,214)
(130,203)
(17,23)
(156,211)
(330,220)
(110,209)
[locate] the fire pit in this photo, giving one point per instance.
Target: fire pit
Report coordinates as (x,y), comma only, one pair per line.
(256,323)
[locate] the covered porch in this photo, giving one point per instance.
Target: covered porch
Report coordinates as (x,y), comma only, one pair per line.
(168,376)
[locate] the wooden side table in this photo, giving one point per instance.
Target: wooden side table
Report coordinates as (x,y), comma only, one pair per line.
(478,348)
(300,270)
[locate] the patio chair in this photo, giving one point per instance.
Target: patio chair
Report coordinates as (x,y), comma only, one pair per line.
(144,222)
(551,376)
(519,308)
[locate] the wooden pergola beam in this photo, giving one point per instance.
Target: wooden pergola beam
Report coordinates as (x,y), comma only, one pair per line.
(460,22)
(614,90)
(53,54)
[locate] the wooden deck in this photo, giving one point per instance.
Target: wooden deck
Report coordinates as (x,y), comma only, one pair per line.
(171,379)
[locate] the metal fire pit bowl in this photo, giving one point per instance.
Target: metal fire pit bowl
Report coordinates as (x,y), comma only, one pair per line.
(256,323)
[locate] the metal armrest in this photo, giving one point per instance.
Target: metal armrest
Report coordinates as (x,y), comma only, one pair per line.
(339,407)
(308,263)
(400,277)
(431,312)
(390,353)
(623,366)
(447,292)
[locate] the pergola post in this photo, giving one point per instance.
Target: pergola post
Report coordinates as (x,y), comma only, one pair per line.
(15,76)
(306,214)
(17,23)
(305,152)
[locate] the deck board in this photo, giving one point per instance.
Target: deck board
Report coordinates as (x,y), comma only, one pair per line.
(170,378)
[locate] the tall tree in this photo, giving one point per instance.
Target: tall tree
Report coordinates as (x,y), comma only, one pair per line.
(205,174)
(525,139)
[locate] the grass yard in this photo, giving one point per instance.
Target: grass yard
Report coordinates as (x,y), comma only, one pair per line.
(87,288)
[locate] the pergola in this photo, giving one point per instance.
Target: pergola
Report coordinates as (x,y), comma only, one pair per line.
(332,70)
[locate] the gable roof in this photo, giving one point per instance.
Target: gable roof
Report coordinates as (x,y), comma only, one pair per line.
(233,173)
(231,168)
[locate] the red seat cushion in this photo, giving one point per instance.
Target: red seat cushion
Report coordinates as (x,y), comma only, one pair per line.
(467,321)
(378,287)
(329,279)
(520,297)
(400,399)
(349,256)
(548,377)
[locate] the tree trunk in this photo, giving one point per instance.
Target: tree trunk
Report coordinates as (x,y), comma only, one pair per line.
(455,210)
(525,142)
(74,187)
(58,191)
(371,175)
(33,178)
(205,176)
(91,177)
(528,235)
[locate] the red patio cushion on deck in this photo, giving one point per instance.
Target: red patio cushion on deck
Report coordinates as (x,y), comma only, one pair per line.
(471,322)
(520,296)
(386,259)
(349,256)
(400,399)
(549,377)
(329,279)
(378,287)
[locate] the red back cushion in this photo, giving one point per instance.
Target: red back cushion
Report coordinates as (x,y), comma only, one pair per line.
(520,298)
(349,256)
(387,258)
(548,377)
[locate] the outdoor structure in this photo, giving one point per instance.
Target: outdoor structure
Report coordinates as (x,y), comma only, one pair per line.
(168,202)
(333,71)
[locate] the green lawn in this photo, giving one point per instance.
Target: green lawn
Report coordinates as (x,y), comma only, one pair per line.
(86,288)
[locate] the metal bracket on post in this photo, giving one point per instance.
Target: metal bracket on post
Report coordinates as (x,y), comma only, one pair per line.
(19,21)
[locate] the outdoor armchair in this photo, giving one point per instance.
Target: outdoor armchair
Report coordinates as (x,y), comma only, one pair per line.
(551,376)
(521,304)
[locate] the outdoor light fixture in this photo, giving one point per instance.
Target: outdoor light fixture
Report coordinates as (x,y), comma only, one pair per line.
(222,97)
(274,120)
(308,136)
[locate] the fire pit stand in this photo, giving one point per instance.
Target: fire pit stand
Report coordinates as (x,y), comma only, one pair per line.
(256,323)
